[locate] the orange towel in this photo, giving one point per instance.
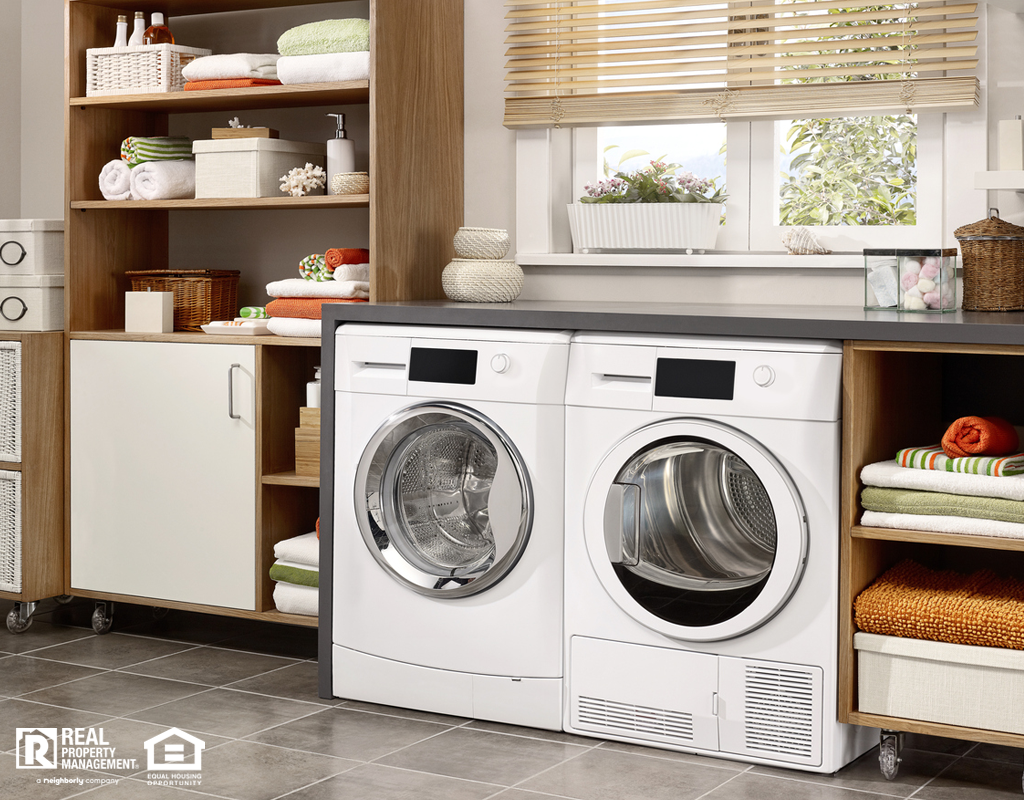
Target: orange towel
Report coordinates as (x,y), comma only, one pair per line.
(337,256)
(229,83)
(303,307)
(979,436)
(318,527)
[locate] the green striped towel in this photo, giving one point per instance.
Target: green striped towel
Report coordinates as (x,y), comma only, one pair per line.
(136,150)
(935,458)
(253,312)
(314,268)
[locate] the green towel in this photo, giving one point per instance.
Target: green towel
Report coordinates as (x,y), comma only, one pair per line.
(136,150)
(908,501)
(326,36)
(294,575)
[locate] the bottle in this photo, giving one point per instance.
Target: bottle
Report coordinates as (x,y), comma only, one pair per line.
(341,153)
(135,40)
(121,39)
(158,32)
(313,391)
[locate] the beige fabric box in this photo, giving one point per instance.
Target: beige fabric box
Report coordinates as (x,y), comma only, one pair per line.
(976,687)
(31,246)
(31,302)
(250,167)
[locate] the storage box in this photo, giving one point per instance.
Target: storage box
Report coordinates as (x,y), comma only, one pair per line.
(307,443)
(142,69)
(910,280)
(10,531)
(956,684)
(31,246)
(250,167)
(31,302)
(148,312)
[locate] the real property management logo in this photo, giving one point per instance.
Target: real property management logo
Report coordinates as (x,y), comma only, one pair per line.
(89,749)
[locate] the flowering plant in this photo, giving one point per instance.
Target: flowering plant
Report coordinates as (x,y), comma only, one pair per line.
(657,183)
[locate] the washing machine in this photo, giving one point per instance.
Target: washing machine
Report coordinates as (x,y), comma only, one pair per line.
(702,547)
(448,521)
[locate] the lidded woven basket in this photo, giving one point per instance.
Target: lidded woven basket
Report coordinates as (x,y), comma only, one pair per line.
(993,264)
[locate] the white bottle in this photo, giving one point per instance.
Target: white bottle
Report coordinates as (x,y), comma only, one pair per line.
(341,153)
(313,391)
(121,39)
(135,40)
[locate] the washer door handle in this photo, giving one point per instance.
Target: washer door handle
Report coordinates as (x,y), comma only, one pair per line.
(622,524)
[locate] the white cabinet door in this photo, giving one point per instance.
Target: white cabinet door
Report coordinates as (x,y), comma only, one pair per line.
(163,479)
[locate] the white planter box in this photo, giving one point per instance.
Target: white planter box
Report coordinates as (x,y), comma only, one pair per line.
(31,302)
(976,687)
(31,246)
(644,226)
(250,167)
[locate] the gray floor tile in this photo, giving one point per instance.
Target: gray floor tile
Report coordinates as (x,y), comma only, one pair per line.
(295,682)
(522,794)
(975,778)
(29,784)
(111,651)
(750,786)
(482,756)
(374,782)
(41,634)
(22,674)
(599,774)
(223,712)
(673,755)
(115,693)
(250,771)
(23,714)
(210,665)
(531,733)
(408,713)
(357,735)
(125,789)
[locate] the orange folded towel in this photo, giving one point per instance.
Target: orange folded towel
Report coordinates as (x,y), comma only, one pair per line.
(303,307)
(979,436)
(229,83)
(337,256)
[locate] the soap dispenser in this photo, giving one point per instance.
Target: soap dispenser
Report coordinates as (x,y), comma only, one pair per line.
(341,152)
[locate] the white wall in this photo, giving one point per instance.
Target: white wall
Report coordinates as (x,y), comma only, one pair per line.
(10,106)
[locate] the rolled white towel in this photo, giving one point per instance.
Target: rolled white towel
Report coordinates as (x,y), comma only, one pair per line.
(352,272)
(116,180)
(298,287)
(324,68)
(164,180)
(231,65)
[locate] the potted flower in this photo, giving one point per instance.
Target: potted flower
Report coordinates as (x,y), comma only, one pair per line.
(657,207)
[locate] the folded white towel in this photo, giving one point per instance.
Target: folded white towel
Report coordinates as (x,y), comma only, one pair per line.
(297,565)
(943,524)
(352,272)
(292,326)
(164,180)
(303,549)
(292,599)
(324,68)
(889,475)
(232,65)
(116,180)
(299,287)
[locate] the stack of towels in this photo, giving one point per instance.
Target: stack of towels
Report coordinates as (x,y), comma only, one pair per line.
(151,168)
(231,71)
(972,483)
(296,571)
(325,51)
(341,275)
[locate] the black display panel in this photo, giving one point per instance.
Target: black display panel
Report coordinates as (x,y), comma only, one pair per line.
(437,365)
(696,378)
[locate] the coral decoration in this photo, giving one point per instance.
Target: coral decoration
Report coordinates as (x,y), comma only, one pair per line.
(303,180)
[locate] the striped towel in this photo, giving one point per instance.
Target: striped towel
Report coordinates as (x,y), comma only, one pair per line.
(136,150)
(935,458)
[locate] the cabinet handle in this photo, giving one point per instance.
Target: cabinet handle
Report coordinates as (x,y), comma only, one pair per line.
(231,392)
(3,310)
(21,257)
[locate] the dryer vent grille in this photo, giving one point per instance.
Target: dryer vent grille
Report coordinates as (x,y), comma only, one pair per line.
(614,716)
(779,716)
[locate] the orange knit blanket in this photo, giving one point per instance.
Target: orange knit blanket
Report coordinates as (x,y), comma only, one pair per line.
(303,307)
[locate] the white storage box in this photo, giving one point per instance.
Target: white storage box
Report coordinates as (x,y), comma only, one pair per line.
(10,531)
(31,246)
(250,167)
(144,69)
(31,302)
(957,684)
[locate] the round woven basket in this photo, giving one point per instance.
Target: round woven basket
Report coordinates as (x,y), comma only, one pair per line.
(350,183)
(993,265)
(481,243)
(470,280)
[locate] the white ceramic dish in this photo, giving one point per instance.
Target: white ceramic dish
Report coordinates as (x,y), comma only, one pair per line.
(248,327)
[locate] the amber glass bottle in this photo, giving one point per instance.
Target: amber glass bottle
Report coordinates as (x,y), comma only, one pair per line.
(158,32)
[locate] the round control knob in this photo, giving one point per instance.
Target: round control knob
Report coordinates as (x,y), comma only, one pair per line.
(764,375)
(500,363)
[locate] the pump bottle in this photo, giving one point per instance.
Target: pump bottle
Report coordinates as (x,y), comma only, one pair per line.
(341,152)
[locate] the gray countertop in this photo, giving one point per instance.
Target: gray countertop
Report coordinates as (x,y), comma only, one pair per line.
(806,322)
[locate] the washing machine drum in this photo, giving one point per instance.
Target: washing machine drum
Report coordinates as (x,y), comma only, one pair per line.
(443,500)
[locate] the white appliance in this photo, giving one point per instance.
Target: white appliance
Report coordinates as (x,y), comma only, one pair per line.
(448,520)
(702,547)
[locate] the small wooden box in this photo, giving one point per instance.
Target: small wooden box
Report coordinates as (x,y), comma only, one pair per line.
(307,443)
(243,133)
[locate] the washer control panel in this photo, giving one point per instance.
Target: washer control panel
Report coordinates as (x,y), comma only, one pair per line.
(764,375)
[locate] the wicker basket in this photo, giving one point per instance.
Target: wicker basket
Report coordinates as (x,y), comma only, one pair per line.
(482,280)
(350,183)
(993,264)
(201,296)
(138,70)
(481,243)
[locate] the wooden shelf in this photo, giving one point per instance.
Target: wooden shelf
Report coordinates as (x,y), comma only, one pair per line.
(197,338)
(936,729)
(933,537)
(253,97)
(229,203)
(291,479)
(179,8)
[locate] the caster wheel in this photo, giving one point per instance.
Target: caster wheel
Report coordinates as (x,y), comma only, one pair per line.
(64,599)
(889,757)
(102,620)
(16,623)
(160,613)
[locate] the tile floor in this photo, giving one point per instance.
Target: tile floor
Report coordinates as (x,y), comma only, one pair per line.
(248,690)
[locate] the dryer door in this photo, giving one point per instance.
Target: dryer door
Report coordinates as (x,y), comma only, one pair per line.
(443,500)
(695,530)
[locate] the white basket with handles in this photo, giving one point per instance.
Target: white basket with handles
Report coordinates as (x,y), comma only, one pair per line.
(144,69)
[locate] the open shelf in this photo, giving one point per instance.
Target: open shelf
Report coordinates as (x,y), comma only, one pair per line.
(291,479)
(228,203)
(249,98)
(179,8)
(933,537)
(196,338)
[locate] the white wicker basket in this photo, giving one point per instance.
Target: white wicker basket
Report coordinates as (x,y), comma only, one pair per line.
(10,401)
(10,531)
(350,183)
(482,280)
(481,243)
(143,69)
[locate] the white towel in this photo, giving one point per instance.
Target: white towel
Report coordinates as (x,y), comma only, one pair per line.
(291,326)
(352,272)
(943,524)
(324,68)
(292,599)
(299,287)
(232,65)
(116,180)
(282,562)
(164,180)
(890,475)
(304,549)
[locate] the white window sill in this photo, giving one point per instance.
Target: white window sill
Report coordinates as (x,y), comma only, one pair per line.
(718,260)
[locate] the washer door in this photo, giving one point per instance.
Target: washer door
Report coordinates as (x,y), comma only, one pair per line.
(695,530)
(443,500)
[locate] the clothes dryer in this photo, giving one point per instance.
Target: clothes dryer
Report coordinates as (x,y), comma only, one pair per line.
(448,520)
(702,547)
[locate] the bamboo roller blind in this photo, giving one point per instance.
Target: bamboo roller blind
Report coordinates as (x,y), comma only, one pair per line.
(590,62)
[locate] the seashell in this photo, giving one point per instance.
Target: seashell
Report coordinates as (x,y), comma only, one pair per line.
(801,242)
